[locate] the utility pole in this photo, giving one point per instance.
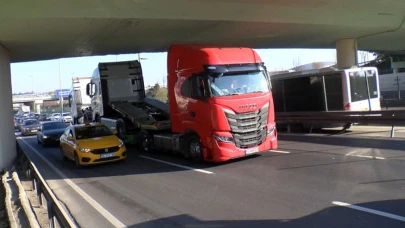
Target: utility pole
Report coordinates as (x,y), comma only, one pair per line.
(60,92)
(32,83)
(139,57)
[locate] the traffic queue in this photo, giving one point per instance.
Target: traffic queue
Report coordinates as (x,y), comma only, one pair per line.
(85,144)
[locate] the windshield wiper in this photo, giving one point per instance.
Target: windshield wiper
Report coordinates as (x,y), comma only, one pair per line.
(231,94)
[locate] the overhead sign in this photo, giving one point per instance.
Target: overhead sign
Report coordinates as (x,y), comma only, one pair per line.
(64,93)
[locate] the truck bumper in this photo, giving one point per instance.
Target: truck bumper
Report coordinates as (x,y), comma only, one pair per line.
(221,151)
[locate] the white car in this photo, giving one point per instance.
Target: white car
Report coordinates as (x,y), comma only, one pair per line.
(55,116)
(67,117)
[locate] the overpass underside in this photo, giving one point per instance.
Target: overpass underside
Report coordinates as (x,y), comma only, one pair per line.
(46,30)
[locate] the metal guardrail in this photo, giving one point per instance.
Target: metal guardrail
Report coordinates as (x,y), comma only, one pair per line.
(394,103)
(56,211)
(389,118)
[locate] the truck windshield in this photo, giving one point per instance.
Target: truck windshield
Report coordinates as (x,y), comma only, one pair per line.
(239,83)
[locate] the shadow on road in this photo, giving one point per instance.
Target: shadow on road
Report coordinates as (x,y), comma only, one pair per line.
(376,143)
(334,216)
(134,165)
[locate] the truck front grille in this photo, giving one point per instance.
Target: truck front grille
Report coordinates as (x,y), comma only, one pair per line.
(248,129)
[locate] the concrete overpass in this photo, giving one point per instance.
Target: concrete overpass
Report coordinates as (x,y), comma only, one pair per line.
(33,101)
(45,29)
(49,29)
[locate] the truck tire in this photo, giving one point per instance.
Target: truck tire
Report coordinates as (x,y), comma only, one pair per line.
(121,131)
(97,119)
(193,148)
(145,141)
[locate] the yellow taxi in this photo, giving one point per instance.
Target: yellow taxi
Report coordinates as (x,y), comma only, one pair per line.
(91,143)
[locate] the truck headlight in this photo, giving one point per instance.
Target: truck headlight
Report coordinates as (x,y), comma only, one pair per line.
(223,139)
(85,150)
(270,130)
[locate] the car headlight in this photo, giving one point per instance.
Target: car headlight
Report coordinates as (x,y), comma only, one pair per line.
(85,150)
(45,136)
(122,144)
(270,130)
(223,139)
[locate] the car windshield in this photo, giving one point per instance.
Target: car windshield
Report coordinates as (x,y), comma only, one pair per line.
(66,114)
(31,122)
(53,126)
(92,132)
(241,83)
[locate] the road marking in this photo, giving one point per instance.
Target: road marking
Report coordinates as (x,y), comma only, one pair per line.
(368,210)
(280,151)
(177,165)
(113,220)
(366,156)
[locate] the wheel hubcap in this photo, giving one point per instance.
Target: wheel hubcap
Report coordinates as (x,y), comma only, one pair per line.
(145,143)
(195,149)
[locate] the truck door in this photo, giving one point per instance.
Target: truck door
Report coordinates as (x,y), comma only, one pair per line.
(196,114)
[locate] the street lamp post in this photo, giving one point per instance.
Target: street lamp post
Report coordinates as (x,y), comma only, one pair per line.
(139,57)
(32,83)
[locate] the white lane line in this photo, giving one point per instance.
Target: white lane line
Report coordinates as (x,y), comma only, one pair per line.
(366,156)
(280,151)
(177,165)
(113,220)
(368,210)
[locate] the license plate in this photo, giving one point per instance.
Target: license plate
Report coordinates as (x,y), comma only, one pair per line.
(109,155)
(251,150)
(34,130)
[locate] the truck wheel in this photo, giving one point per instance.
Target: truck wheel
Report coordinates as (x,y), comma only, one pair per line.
(193,148)
(121,129)
(145,141)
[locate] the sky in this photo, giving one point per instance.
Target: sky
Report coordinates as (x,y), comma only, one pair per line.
(43,76)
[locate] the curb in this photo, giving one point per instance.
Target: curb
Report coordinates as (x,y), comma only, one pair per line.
(11,217)
(25,202)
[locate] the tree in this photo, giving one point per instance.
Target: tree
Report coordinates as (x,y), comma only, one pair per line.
(157,92)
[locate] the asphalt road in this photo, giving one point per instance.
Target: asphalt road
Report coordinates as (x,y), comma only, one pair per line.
(311,181)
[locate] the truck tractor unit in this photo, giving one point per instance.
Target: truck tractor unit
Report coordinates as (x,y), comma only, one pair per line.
(220,104)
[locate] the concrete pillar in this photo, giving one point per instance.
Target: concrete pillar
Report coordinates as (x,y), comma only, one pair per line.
(7,137)
(346,53)
(38,108)
(38,105)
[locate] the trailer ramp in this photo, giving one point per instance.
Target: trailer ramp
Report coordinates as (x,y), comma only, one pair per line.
(130,111)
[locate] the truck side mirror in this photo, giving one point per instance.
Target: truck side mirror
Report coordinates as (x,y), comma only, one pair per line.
(199,88)
(70,101)
(88,89)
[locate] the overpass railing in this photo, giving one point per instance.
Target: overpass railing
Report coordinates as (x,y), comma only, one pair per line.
(387,118)
(56,210)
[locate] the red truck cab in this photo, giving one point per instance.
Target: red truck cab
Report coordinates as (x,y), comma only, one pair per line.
(223,98)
